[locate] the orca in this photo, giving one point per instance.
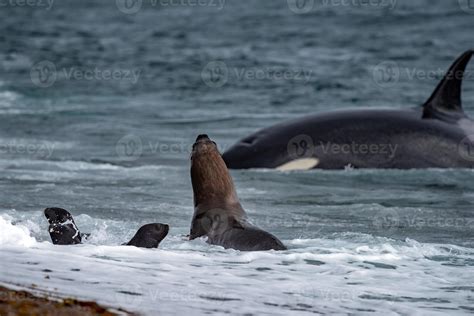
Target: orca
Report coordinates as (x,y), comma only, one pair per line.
(437,135)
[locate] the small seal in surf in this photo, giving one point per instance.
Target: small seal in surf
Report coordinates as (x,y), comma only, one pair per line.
(149,236)
(63,230)
(217,210)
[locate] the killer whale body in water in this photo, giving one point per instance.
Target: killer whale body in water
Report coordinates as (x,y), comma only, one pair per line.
(437,135)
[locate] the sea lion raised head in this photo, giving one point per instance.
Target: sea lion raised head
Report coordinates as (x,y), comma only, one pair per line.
(62,228)
(212,183)
(213,189)
(217,210)
(149,235)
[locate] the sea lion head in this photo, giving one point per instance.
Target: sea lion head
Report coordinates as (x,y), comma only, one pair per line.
(211,180)
(56,215)
(62,228)
(149,235)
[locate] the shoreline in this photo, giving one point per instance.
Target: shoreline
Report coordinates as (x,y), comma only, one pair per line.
(22,302)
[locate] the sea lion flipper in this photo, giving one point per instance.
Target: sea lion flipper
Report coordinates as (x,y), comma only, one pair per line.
(149,236)
(85,236)
(236,224)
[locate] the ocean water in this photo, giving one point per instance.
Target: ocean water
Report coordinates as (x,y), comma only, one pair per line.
(100,103)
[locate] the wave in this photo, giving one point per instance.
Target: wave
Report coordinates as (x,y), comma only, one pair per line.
(14,235)
(75,165)
(337,274)
(8,99)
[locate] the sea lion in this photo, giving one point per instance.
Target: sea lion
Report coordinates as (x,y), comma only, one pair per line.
(217,210)
(63,230)
(437,135)
(149,236)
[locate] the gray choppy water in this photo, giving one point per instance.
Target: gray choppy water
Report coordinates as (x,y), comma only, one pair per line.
(115,152)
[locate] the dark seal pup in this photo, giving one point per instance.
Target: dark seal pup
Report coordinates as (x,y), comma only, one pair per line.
(149,236)
(217,210)
(437,135)
(63,230)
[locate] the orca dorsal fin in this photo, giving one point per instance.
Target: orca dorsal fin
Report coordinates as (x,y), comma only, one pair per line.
(445,102)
